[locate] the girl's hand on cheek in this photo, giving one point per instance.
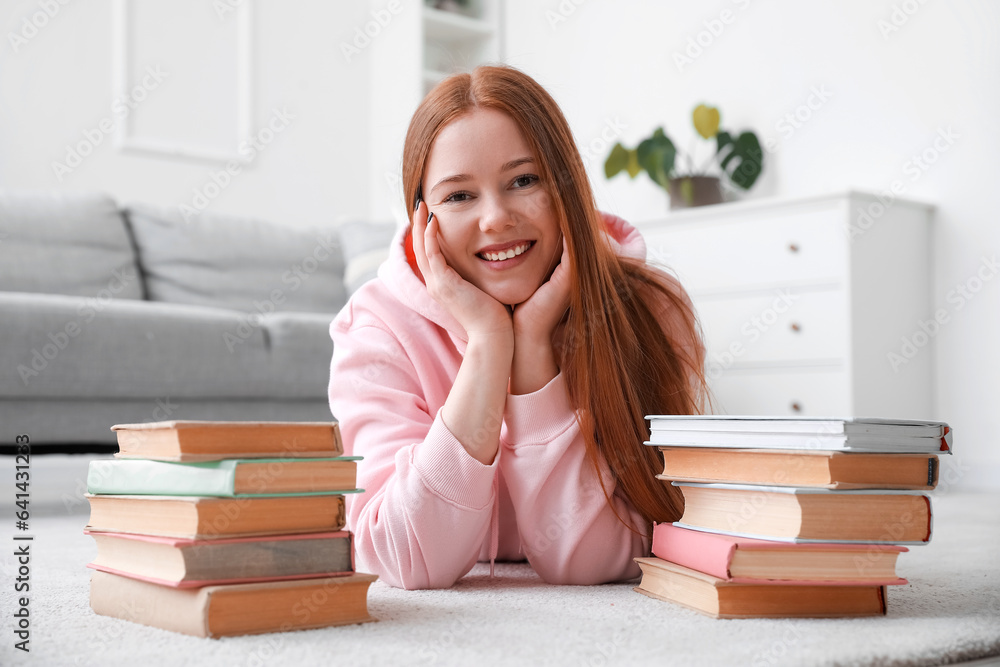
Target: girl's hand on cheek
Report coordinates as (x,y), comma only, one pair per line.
(476,311)
(536,318)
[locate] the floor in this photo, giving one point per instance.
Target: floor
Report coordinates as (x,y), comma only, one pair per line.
(947,614)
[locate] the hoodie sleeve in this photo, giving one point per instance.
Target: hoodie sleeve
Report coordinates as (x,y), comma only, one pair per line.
(427,504)
(570,532)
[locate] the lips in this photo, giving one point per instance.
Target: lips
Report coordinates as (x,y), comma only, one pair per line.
(500,253)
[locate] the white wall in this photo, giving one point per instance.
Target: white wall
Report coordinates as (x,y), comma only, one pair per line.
(59,84)
(612,63)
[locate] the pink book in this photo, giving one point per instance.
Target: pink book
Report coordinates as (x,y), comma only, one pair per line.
(745,560)
(193,563)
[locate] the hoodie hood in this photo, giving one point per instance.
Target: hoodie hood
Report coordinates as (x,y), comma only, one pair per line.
(402,276)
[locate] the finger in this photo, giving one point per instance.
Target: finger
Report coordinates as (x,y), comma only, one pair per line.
(562,268)
(417,233)
(560,277)
(443,277)
(432,246)
(564,257)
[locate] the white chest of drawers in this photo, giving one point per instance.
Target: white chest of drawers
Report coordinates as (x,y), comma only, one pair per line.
(805,303)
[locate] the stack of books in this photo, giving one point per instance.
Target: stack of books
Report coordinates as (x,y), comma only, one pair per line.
(789,517)
(225,528)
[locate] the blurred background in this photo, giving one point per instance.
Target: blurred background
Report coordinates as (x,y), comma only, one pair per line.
(150,101)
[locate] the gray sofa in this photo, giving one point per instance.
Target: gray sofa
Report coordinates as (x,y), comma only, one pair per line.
(112,315)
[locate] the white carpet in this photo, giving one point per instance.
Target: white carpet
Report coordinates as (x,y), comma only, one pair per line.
(950,612)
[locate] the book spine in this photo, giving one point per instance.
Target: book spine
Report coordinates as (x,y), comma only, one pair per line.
(704,552)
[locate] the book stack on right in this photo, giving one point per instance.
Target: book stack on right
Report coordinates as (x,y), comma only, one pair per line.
(790,517)
(225,528)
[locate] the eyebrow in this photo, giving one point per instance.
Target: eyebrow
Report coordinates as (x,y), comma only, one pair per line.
(458,178)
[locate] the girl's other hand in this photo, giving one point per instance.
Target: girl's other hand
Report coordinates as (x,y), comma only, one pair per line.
(536,318)
(535,321)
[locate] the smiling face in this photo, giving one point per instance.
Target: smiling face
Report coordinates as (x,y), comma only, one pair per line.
(498,223)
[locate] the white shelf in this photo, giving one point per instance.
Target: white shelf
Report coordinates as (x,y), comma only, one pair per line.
(452,27)
(428,45)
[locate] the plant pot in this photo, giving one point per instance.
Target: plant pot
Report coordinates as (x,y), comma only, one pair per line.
(687,191)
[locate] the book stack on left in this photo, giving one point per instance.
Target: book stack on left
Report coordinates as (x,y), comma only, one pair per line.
(788,517)
(225,528)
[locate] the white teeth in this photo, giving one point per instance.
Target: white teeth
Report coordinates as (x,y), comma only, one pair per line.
(505,254)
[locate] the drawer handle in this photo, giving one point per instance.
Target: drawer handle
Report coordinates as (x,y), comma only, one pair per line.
(796,407)
(796,327)
(793,247)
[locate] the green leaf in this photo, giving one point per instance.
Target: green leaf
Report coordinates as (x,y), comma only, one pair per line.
(656,155)
(633,163)
(742,158)
(706,120)
(617,161)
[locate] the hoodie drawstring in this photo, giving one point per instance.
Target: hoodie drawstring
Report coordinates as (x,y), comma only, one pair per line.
(495,523)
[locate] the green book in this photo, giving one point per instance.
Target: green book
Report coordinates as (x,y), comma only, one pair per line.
(225,478)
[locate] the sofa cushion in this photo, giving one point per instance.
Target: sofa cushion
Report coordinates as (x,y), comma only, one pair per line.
(61,346)
(366,246)
(242,264)
(297,341)
(66,244)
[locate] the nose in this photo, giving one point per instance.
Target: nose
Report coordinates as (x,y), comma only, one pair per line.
(495,216)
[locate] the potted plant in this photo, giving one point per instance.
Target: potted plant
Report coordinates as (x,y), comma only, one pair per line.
(739,158)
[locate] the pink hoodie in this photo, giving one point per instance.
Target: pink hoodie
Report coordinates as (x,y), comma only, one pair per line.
(429,510)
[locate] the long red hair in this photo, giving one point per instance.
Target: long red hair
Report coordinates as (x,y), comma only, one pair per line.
(618,361)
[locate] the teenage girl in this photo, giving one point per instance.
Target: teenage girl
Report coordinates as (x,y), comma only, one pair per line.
(496,375)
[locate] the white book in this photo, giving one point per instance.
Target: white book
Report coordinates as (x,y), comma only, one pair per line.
(815,425)
(798,433)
